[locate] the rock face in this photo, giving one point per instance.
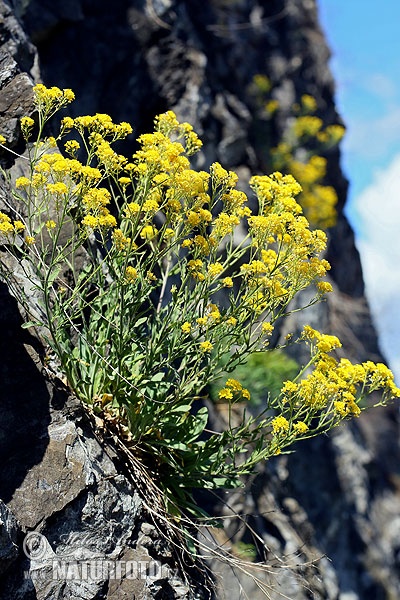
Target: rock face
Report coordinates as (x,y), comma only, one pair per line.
(328,512)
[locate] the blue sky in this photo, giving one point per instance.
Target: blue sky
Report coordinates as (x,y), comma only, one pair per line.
(365,42)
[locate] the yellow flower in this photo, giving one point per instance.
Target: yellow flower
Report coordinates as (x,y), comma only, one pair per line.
(5,224)
(132,209)
(218,173)
(307,126)
(201,243)
(326,343)
(340,408)
(90,174)
(69,95)
(22,182)
(67,123)
(57,188)
(186,327)
(214,269)
(289,387)
(131,274)
(213,313)
(50,224)
(227,282)
(224,225)
(195,267)
(107,221)
(271,106)
(262,83)
(234,384)
(26,127)
(30,240)
(309,103)
(27,122)
(245,394)
(148,232)
(309,333)
(2,139)
(300,428)
(150,205)
(52,142)
(90,221)
(267,328)
(206,346)
(120,240)
(225,394)
(280,425)
(19,226)
(71,147)
(193,218)
(324,287)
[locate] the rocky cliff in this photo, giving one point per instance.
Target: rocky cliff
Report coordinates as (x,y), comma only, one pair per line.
(329,512)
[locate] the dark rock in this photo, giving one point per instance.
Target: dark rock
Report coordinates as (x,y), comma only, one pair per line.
(9,531)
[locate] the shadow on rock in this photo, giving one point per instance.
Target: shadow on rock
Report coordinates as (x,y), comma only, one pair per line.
(24,399)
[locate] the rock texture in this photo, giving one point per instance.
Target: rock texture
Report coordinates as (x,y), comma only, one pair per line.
(329,512)
(66,498)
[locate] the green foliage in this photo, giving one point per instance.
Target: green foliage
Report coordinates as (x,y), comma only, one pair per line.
(245,551)
(262,374)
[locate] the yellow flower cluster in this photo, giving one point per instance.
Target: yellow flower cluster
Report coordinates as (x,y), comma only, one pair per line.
(168,124)
(308,125)
(50,100)
(336,386)
(195,267)
(280,425)
(26,126)
(99,127)
(305,130)
(233,391)
(321,341)
(121,241)
(172,203)
(206,346)
(131,274)
(148,232)
(186,327)
(273,277)
(331,135)
(308,103)
(97,216)
(9,227)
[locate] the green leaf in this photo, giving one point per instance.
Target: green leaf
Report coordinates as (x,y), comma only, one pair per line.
(140,322)
(157,377)
(31,324)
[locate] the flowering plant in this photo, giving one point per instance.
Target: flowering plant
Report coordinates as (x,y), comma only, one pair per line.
(140,320)
(298,152)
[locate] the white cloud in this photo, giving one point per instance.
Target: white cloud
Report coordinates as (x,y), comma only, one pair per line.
(371,139)
(379,210)
(381,85)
